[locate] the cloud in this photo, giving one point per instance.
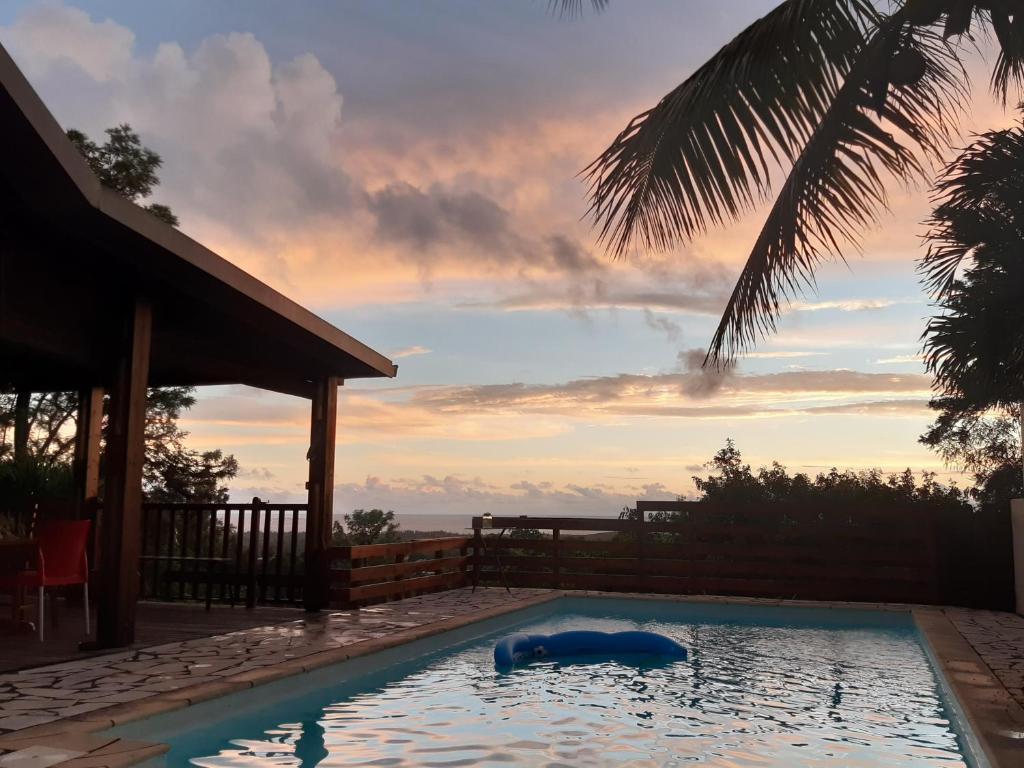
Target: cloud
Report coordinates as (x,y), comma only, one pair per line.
(781,355)
(426,219)
(258,165)
(701,381)
(691,394)
(899,359)
(455,494)
(597,294)
(847,305)
(440,224)
(670,328)
(416,349)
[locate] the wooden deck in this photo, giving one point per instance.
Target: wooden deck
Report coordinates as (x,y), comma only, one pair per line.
(157,623)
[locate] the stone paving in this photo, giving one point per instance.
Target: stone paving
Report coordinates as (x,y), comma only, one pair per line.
(44,694)
(998,638)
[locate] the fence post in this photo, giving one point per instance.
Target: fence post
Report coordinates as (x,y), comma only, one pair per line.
(556,565)
(641,547)
(478,545)
(254,538)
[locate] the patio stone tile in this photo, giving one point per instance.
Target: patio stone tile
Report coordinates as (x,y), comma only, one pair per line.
(16,722)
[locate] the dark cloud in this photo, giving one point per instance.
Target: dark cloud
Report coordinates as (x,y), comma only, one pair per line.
(429,221)
(569,256)
(702,380)
(423,220)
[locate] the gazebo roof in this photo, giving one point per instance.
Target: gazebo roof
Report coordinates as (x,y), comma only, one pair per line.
(72,252)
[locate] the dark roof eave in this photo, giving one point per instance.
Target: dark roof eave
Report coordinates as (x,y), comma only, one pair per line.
(129,215)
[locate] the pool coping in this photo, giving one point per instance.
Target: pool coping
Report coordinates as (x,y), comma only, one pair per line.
(993,716)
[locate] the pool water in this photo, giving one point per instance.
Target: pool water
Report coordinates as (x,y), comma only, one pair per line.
(762,687)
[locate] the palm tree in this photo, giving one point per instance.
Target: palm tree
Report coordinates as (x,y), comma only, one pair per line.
(975,347)
(838,94)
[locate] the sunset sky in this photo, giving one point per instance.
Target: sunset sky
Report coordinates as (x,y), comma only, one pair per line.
(409,171)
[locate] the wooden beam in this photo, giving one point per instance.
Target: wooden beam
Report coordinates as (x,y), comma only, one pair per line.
(319,513)
(121,534)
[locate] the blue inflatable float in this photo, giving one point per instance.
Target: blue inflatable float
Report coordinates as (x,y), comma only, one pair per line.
(519,648)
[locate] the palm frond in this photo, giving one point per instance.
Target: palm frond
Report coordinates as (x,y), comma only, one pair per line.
(836,186)
(704,153)
(1008,23)
(976,197)
(573,8)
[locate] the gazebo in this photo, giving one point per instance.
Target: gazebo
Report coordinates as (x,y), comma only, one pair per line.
(100,297)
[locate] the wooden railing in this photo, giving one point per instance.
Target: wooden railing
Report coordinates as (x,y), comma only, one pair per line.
(369,573)
(779,554)
(238,553)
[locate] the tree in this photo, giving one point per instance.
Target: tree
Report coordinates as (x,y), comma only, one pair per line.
(44,438)
(366,527)
(125,166)
(734,485)
(974,346)
(838,94)
(173,472)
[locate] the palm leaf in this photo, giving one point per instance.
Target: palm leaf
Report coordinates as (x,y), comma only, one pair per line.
(836,186)
(1008,23)
(704,153)
(572,8)
(976,196)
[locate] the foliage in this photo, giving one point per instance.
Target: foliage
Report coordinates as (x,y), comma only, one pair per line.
(10,529)
(24,478)
(838,94)
(526,534)
(975,345)
(125,166)
(51,419)
(373,526)
(172,471)
(733,483)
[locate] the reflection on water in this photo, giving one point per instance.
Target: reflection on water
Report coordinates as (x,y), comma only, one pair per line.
(748,696)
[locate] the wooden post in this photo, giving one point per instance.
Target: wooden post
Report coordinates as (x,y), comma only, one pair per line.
(254,543)
(320,510)
(556,559)
(478,545)
(120,540)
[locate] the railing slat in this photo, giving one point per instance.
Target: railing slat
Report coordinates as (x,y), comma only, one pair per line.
(182,557)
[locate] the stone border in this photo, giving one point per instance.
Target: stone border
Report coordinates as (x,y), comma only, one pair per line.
(993,715)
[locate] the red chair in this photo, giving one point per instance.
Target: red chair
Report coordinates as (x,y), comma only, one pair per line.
(61,561)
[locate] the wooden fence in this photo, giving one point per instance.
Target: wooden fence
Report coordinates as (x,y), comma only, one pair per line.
(369,573)
(237,553)
(777,553)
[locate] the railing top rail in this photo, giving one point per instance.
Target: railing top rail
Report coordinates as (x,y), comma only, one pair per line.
(868,522)
(205,506)
(562,523)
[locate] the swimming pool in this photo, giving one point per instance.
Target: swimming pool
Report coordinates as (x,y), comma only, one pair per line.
(763,686)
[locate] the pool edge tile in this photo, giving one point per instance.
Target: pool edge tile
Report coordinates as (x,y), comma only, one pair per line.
(993,715)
